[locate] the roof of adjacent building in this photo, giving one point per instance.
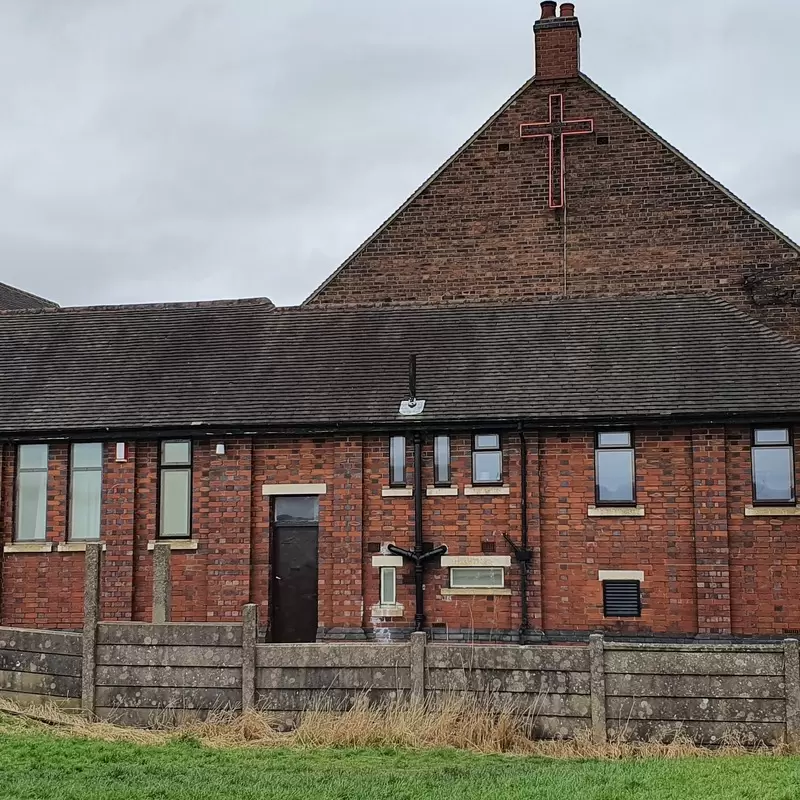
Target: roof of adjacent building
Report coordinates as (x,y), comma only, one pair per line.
(12,299)
(237,365)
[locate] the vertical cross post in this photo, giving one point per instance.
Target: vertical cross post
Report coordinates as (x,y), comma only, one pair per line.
(555,131)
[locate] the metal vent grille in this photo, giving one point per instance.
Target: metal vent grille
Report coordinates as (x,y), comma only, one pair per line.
(622,599)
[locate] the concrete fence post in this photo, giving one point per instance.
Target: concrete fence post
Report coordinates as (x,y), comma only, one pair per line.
(791,669)
(598,688)
(91,616)
(418,643)
(249,638)
(162,585)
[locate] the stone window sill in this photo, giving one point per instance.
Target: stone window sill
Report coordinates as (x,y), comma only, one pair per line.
(29,547)
(174,544)
(506,592)
(772,511)
(442,491)
(75,547)
(389,491)
(388,612)
(487,491)
(616,511)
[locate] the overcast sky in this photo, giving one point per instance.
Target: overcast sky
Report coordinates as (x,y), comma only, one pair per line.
(157,150)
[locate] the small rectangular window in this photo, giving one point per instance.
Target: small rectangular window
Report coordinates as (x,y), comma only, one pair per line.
(85,493)
(477,577)
(487,459)
(615,473)
(441,460)
(32,492)
(175,490)
(388,586)
(773,466)
(622,599)
(294,510)
(397,461)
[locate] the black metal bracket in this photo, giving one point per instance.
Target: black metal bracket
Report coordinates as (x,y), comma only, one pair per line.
(417,558)
(521,554)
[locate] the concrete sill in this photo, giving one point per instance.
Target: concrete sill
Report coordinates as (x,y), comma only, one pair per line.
(442,491)
(388,491)
(29,547)
(476,592)
(174,544)
(487,491)
(387,612)
(616,511)
(75,547)
(772,511)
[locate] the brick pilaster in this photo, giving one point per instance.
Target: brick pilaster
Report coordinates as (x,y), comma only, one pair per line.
(344,570)
(117,532)
(712,547)
(228,516)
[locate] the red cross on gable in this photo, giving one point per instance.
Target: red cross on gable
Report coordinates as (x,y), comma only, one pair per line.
(555,130)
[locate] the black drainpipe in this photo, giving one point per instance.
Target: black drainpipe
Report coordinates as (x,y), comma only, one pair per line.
(523,583)
(419,615)
(417,555)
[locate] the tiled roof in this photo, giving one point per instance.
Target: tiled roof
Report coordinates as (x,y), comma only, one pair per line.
(12,298)
(248,364)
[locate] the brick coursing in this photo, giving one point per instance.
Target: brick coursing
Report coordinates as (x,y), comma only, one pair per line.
(709,570)
(639,220)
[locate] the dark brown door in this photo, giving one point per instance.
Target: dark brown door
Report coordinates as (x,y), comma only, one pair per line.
(294,585)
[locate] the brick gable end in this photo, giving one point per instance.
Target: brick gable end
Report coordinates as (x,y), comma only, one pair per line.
(641,219)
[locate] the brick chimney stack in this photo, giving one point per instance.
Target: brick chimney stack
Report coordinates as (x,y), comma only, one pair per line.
(558,42)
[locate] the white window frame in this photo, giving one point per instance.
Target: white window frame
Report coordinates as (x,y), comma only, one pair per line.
(388,578)
(455,584)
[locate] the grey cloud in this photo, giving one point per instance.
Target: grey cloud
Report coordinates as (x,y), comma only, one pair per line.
(187,149)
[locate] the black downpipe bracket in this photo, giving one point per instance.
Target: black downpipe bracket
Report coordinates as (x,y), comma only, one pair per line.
(417,556)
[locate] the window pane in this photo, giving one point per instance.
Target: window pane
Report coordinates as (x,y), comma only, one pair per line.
(176,452)
(175,493)
(441,459)
(772,474)
(397,460)
(33,456)
(388,583)
(32,506)
(615,476)
(476,577)
(296,510)
(487,466)
(487,441)
(84,510)
(772,436)
(87,455)
(614,439)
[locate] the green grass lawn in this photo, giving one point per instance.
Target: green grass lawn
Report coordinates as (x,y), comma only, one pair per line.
(51,768)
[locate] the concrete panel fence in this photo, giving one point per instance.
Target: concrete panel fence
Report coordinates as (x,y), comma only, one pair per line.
(141,674)
(162,673)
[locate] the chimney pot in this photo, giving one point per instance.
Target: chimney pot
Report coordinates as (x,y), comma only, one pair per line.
(549,9)
(567,10)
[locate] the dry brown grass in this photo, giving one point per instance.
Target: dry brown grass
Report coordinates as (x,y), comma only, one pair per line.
(472,724)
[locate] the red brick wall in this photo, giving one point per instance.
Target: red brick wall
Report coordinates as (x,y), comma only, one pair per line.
(640,220)
(709,570)
(764,553)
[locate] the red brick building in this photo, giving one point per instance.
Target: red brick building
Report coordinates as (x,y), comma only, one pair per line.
(557,392)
